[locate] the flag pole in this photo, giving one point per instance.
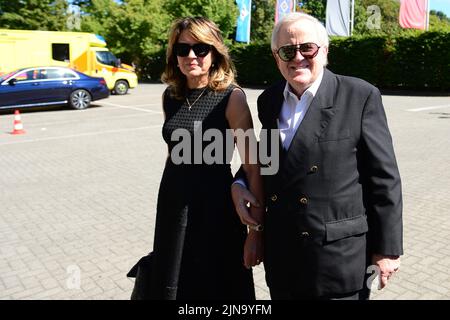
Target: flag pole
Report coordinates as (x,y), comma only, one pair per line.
(249,22)
(295,6)
(428,16)
(352,18)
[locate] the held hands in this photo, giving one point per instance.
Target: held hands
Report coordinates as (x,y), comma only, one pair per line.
(253,249)
(241,197)
(254,244)
(388,266)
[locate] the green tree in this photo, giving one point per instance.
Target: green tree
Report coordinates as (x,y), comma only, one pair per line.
(133,29)
(376,17)
(139,28)
(34,14)
(223,12)
(262,20)
(389,25)
(440,15)
(315,8)
(439,21)
(97,15)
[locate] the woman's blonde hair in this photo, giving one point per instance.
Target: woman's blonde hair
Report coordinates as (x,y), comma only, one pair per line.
(222,71)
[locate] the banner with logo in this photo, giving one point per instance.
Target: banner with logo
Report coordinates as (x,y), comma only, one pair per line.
(243,22)
(338,18)
(282,8)
(413,14)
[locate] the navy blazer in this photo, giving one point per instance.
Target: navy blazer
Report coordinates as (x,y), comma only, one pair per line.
(336,197)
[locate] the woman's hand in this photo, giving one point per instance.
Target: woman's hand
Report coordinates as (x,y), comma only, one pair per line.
(241,196)
(253,249)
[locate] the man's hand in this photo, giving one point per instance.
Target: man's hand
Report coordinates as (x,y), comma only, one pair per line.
(241,197)
(388,266)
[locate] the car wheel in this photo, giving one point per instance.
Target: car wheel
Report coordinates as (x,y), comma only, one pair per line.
(80,99)
(121,87)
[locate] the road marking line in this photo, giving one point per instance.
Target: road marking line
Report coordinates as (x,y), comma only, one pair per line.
(147,105)
(78,120)
(429,108)
(80,135)
(131,107)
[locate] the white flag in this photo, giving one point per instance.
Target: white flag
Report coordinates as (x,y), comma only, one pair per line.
(338,18)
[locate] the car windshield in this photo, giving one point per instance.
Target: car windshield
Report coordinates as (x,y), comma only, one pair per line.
(106,57)
(5,76)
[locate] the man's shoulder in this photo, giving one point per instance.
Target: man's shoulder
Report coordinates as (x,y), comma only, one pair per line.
(354,82)
(273,88)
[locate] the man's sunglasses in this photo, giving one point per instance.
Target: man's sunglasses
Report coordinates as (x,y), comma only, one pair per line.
(308,50)
(200,49)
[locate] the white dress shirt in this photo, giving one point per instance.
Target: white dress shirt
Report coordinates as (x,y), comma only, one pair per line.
(292,113)
(293,110)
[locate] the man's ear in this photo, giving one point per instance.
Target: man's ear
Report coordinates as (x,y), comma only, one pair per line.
(325,55)
(276,58)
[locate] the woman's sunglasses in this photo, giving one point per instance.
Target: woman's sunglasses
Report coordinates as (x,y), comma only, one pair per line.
(308,50)
(200,49)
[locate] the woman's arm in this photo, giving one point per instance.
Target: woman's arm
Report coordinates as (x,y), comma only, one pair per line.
(240,120)
(164,114)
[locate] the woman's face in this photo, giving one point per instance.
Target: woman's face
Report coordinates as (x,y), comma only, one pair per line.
(192,66)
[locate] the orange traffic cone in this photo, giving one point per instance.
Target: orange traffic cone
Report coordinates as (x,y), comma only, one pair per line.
(18,127)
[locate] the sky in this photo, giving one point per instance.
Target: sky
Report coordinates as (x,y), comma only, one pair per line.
(441,5)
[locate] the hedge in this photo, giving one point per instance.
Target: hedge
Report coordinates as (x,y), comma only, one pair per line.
(416,61)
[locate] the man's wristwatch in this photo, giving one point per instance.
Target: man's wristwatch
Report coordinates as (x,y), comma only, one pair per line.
(258,227)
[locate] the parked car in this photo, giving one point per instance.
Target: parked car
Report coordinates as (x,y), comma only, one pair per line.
(46,86)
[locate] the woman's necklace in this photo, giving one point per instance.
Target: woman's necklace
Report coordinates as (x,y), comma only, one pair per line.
(190,105)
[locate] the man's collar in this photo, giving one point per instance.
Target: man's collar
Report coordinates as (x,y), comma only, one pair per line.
(312,90)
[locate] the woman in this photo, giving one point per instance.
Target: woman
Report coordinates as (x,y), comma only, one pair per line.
(201,248)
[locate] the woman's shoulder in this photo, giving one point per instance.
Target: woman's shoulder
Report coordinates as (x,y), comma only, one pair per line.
(229,90)
(236,92)
(170,95)
(237,100)
(170,103)
(168,92)
(233,86)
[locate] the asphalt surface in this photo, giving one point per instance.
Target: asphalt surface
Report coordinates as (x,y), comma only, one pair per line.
(78,194)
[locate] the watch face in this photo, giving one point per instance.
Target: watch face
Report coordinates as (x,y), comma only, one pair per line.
(258,227)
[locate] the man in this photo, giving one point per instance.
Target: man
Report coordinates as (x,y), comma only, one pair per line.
(335,206)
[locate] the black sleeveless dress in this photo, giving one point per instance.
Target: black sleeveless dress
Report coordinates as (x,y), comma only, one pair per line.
(199,239)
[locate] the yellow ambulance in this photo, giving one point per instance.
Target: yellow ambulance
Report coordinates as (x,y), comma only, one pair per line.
(84,52)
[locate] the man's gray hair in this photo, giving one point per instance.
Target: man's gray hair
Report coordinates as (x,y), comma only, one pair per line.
(292,17)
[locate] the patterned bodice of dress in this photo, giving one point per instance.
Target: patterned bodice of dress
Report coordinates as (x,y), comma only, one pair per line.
(207,114)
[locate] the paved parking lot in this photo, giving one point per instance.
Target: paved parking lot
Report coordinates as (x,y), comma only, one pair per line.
(78,195)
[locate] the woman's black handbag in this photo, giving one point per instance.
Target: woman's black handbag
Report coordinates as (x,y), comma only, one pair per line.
(142,271)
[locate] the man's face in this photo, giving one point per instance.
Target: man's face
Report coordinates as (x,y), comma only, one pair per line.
(300,72)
